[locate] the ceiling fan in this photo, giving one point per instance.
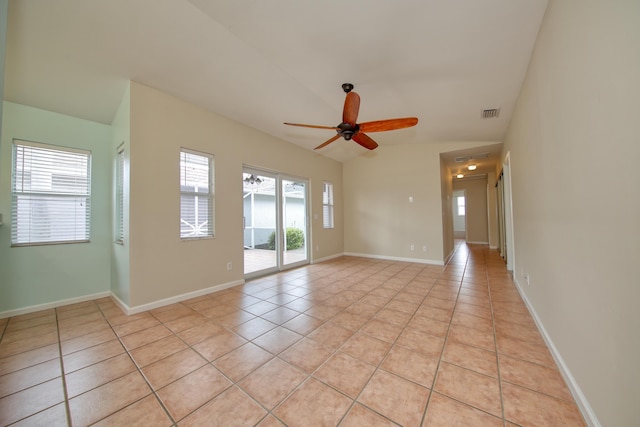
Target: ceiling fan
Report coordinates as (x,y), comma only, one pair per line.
(350,129)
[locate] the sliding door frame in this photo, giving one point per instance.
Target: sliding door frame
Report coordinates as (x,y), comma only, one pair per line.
(279,226)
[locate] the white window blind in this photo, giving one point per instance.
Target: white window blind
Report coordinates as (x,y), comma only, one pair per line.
(51,194)
(119,222)
(196,194)
(327,205)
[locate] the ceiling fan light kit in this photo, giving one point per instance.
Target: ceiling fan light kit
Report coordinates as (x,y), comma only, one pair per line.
(349,129)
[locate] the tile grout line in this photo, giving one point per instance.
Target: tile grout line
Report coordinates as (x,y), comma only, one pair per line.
(495,341)
(466,368)
(99,309)
(446,337)
(189,346)
(378,366)
(442,351)
(4,330)
(270,412)
(67,407)
(310,375)
(139,370)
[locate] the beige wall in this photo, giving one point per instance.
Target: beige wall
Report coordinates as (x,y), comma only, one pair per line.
(476,208)
(380,221)
(574,144)
(163,266)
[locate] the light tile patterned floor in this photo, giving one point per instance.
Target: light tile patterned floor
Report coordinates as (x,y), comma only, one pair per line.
(349,342)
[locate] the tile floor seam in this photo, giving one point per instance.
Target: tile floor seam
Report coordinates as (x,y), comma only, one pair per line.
(67,412)
(495,341)
(311,375)
(379,365)
(211,363)
(233,383)
(67,408)
(551,396)
(139,370)
(4,330)
(446,337)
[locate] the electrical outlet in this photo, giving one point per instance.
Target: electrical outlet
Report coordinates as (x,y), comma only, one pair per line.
(412,247)
(229,265)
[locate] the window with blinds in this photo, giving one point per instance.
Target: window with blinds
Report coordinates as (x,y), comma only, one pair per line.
(461,206)
(327,205)
(196,195)
(51,194)
(119,214)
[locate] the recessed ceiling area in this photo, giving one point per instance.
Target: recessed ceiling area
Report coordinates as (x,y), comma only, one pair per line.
(485,159)
(263,63)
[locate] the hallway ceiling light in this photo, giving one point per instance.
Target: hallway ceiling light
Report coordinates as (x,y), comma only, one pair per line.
(460,175)
(472,167)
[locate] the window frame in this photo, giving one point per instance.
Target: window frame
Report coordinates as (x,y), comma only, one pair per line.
(210,195)
(119,196)
(50,198)
(328,206)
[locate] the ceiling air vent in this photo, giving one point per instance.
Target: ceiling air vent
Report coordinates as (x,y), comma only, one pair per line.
(490,113)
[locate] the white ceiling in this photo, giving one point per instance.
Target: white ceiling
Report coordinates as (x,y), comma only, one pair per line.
(266,62)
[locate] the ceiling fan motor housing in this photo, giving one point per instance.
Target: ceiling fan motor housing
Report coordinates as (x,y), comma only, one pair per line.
(347,131)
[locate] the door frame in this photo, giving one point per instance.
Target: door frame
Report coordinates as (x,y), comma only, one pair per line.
(454,207)
(281,217)
(279,226)
(508,213)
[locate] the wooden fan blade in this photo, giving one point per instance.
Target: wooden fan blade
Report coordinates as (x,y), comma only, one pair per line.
(312,126)
(351,108)
(364,140)
(324,144)
(391,124)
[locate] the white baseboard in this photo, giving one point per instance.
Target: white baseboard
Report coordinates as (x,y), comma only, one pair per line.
(581,400)
(128,310)
(174,299)
(392,258)
(54,304)
(327,258)
(448,257)
(477,243)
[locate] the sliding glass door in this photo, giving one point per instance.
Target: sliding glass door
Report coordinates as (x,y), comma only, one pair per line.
(275,222)
(294,220)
